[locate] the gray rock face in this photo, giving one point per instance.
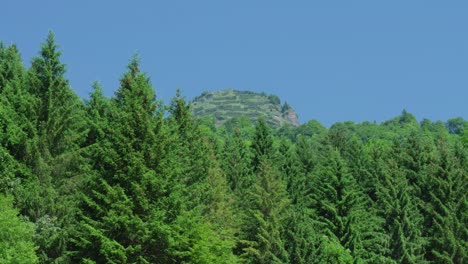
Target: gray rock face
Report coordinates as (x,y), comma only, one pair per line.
(226,104)
(291,116)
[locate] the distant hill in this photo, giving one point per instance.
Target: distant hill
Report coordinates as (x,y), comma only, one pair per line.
(226,104)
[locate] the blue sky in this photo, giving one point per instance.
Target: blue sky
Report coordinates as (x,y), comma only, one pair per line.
(331,60)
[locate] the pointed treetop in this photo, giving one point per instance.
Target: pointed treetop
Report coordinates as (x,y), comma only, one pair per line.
(178,93)
(97,90)
(134,81)
(48,62)
(50,37)
(180,110)
(134,65)
(50,48)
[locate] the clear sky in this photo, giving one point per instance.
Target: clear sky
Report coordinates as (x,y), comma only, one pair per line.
(331,60)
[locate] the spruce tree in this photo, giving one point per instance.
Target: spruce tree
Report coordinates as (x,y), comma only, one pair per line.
(263,239)
(343,211)
(121,216)
(202,192)
(97,113)
(56,157)
(300,236)
(15,122)
(265,206)
(58,110)
(236,163)
(262,144)
(306,155)
(447,207)
(403,221)
(292,174)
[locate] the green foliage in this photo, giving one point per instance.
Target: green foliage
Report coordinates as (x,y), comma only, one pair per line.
(236,163)
(58,109)
(331,251)
(16,235)
(47,130)
(343,210)
(262,145)
(456,125)
(263,227)
(118,214)
(274,99)
(16,128)
(242,124)
(403,219)
(227,104)
(465,137)
(127,179)
(447,207)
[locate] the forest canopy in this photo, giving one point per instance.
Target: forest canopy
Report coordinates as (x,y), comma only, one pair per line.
(128,179)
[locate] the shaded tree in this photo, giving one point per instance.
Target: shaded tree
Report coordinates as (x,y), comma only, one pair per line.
(263,227)
(342,210)
(262,144)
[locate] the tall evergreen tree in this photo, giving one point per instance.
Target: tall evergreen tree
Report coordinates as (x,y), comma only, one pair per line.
(15,121)
(56,157)
(236,163)
(97,113)
(58,109)
(300,235)
(306,155)
(262,144)
(264,227)
(292,173)
(342,211)
(204,193)
(447,207)
(121,218)
(403,219)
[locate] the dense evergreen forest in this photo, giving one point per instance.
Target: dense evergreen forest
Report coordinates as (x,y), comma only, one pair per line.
(128,179)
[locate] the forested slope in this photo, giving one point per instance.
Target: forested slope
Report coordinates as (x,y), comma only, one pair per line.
(128,180)
(224,105)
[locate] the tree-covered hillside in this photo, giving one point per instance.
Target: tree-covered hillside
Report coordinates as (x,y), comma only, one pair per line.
(224,105)
(127,179)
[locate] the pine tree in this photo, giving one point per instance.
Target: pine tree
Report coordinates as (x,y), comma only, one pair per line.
(202,190)
(121,215)
(236,163)
(262,144)
(98,113)
(59,111)
(263,239)
(306,155)
(15,122)
(193,148)
(292,174)
(55,154)
(300,233)
(447,207)
(414,153)
(403,219)
(342,210)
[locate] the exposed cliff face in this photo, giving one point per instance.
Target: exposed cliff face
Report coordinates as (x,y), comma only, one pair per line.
(291,115)
(226,104)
